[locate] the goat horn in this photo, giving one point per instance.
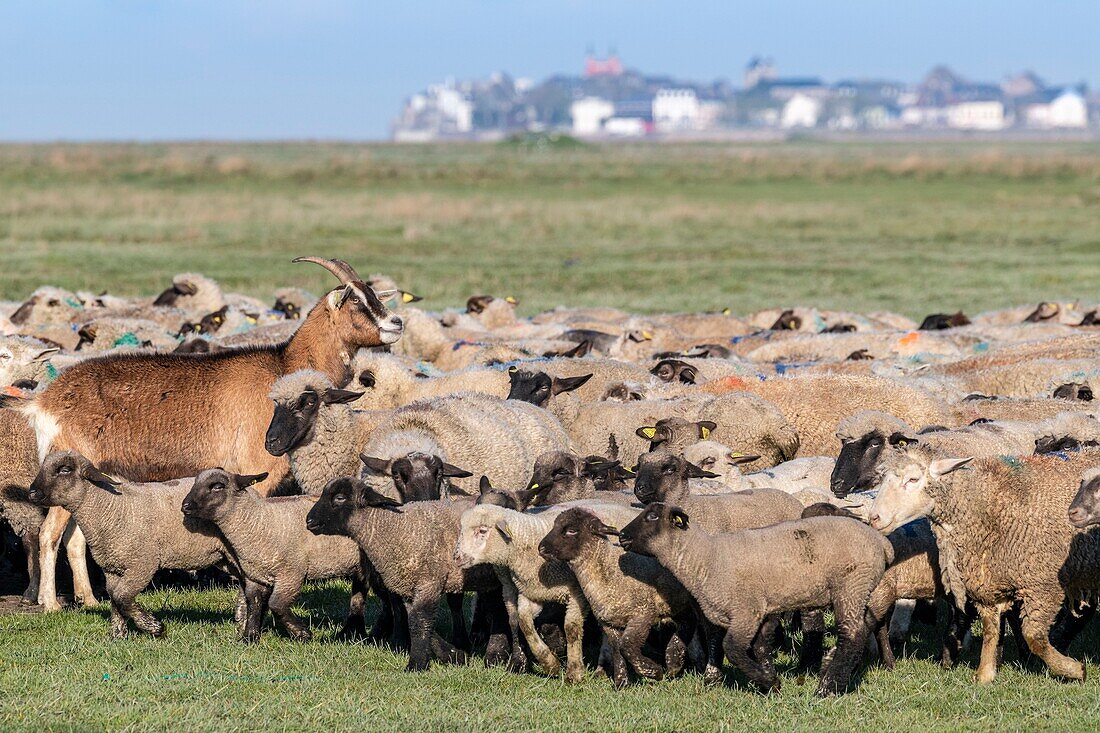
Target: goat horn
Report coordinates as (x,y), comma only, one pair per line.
(344,272)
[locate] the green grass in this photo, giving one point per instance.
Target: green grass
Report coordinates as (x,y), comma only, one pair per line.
(62,672)
(649,228)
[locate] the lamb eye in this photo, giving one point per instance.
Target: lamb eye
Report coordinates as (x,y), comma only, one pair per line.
(52,302)
(669,469)
(651,517)
(571,532)
(64,470)
(339,499)
(217,487)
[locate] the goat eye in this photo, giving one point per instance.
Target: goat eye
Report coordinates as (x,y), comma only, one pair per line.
(355,299)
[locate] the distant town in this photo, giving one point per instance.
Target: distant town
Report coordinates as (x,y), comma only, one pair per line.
(609,100)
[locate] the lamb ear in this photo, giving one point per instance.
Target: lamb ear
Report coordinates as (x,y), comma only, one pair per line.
(244,481)
(646,433)
(607,530)
(737,459)
(568,384)
(93,475)
(696,472)
(339,396)
(484,486)
(900,440)
(945,466)
(455,472)
(678,517)
(376,465)
(45,354)
(706,427)
(502,527)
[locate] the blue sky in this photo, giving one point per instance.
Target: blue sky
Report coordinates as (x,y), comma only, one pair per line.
(237,69)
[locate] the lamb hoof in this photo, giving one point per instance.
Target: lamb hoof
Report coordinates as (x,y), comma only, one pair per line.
(1073,671)
(712,677)
(158,631)
(301,635)
(620,682)
(517,663)
(28,600)
(250,637)
(574,676)
(352,630)
(774,688)
(985,676)
(496,652)
(51,607)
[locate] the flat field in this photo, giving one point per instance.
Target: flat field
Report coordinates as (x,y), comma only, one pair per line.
(911,228)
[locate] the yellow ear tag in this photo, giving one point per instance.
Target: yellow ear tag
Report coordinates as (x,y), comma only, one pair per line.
(677,520)
(250,319)
(407,297)
(726,311)
(513,369)
(705,432)
(511,299)
(534,486)
(630,470)
(649,432)
(903,443)
(647,335)
(735,454)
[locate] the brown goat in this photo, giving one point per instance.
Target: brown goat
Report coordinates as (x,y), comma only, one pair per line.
(129,414)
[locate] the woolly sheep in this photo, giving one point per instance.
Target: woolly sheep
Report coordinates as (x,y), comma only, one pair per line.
(1002,534)
(24,359)
(484,435)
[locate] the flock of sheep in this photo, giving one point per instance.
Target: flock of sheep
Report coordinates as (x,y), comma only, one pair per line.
(697,487)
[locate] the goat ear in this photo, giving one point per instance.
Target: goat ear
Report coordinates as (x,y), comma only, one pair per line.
(339,396)
(646,433)
(502,527)
(568,384)
(706,427)
(484,486)
(455,472)
(696,472)
(246,481)
(384,295)
(945,466)
(337,297)
(376,465)
(738,458)
(678,518)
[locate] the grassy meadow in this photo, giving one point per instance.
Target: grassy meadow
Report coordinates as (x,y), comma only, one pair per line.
(912,228)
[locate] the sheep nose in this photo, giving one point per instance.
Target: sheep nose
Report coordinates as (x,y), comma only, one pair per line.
(1076,514)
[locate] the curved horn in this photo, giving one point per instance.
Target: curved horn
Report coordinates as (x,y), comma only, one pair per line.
(344,272)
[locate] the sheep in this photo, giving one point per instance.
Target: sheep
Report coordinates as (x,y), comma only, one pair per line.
(740,579)
(130,412)
(25,361)
(315,425)
(475,432)
(106,333)
(47,306)
(508,541)
(389,381)
(193,293)
(748,421)
(412,552)
(1033,378)
(628,593)
(686,370)
(865,438)
(1079,391)
(294,302)
(676,433)
(664,476)
(836,347)
(790,477)
(588,379)
(1002,534)
(132,529)
(275,551)
(814,405)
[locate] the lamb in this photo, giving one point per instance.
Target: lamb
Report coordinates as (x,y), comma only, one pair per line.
(293,303)
(740,579)
(193,293)
(315,425)
(664,476)
(686,370)
(676,433)
(628,593)
(132,529)
(481,434)
(106,333)
(1034,378)
(536,381)
(411,550)
(790,477)
(1002,535)
(47,306)
(508,541)
(269,539)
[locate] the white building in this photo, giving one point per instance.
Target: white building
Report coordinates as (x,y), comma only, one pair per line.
(675,109)
(454,106)
(625,126)
(1066,111)
(589,115)
(984,115)
(800,110)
